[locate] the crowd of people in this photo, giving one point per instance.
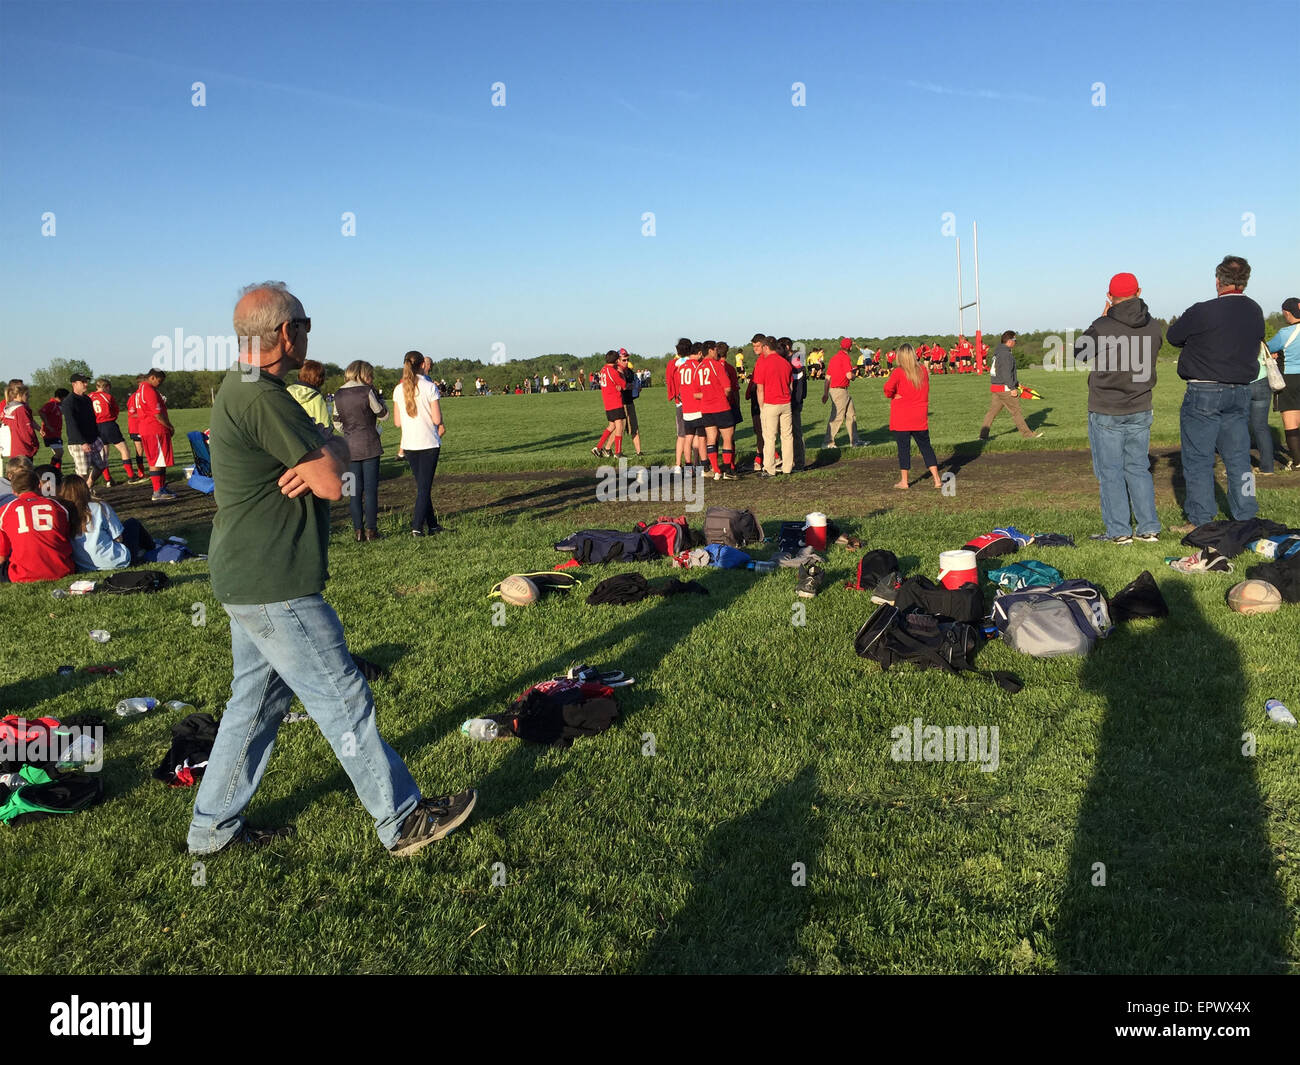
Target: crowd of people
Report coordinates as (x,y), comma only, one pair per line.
(277,465)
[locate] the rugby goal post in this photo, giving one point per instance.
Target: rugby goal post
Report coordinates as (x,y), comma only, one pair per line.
(961,307)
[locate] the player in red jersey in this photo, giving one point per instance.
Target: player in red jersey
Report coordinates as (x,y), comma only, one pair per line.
(52,427)
(688,389)
(714,391)
(109,431)
(133,422)
(156,433)
(611,393)
(34,541)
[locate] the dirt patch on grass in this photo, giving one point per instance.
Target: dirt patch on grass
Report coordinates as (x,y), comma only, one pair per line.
(838,482)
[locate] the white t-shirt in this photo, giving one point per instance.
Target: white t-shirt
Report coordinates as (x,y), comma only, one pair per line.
(418,433)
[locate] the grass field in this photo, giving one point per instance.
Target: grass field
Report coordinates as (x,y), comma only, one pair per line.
(771,743)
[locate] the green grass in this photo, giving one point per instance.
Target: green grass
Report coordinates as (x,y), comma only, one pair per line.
(772,746)
(557,430)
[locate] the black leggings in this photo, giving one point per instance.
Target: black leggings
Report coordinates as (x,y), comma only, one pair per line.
(423,464)
(904,440)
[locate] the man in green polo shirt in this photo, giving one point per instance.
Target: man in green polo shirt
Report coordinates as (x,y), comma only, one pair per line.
(275,474)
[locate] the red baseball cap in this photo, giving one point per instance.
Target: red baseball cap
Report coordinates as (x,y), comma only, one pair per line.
(1122,286)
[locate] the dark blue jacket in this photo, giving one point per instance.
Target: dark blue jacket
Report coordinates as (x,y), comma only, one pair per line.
(1220,340)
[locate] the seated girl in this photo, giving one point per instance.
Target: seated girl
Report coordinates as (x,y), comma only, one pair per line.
(100,540)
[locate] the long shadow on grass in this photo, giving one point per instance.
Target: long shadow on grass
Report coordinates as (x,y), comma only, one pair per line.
(744,912)
(500,790)
(1173,811)
(1179,484)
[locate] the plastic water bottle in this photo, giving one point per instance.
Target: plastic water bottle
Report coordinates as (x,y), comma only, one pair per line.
(1279,713)
(60,593)
(141,705)
(480,728)
(100,635)
(177,705)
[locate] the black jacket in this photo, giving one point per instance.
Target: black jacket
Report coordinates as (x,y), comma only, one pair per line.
(1121,347)
(1220,340)
(79,418)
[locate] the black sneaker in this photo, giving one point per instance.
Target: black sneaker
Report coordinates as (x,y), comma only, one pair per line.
(886,590)
(431,820)
(248,836)
(811,575)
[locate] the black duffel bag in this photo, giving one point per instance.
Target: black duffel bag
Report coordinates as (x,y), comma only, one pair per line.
(964,604)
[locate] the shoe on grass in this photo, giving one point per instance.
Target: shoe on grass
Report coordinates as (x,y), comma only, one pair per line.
(1148,538)
(431,820)
(1104,539)
(811,576)
(251,837)
(165,496)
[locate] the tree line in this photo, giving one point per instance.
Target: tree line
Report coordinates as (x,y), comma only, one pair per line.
(197,388)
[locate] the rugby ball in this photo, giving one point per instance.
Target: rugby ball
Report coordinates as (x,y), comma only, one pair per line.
(1254,597)
(519,591)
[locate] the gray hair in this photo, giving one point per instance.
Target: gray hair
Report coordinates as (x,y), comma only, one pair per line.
(262,320)
(1234,271)
(360,370)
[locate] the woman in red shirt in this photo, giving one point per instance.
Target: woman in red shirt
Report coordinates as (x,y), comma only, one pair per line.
(908,392)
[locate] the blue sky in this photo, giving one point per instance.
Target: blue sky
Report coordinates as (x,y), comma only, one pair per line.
(522,225)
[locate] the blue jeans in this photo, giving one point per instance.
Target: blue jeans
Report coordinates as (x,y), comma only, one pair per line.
(365,489)
(1216,417)
(1120,459)
(282,650)
(1261,398)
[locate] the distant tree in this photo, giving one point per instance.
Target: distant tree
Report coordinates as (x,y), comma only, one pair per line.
(45,380)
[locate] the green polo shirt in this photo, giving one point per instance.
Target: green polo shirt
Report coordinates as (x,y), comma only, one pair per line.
(266,547)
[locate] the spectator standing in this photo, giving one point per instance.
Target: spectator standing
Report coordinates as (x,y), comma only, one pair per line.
(268,559)
(1285,345)
(83,439)
(358,409)
(908,390)
(307,392)
(1121,346)
(418,413)
(1004,388)
(17,426)
(839,375)
(1220,341)
(631,389)
(772,375)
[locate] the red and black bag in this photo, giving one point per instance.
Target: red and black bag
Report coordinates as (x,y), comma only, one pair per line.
(668,535)
(873,567)
(557,712)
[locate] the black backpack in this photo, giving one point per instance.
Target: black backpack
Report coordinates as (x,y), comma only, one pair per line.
(608,545)
(874,567)
(128,582)
(892,636)
(735,528)
(960,604)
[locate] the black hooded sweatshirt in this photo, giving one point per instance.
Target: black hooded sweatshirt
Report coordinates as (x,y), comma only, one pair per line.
(1121,347)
